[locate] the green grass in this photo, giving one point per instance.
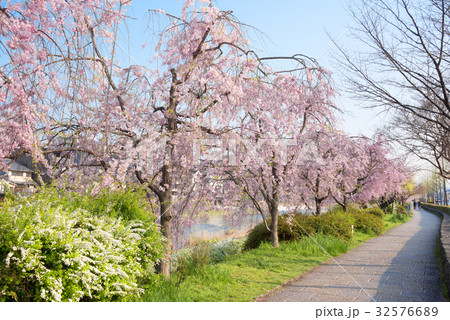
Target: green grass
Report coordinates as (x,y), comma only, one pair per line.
(393,220)
(360,238)
(248,275)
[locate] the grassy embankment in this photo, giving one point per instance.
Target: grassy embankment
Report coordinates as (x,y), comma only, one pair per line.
(247,275)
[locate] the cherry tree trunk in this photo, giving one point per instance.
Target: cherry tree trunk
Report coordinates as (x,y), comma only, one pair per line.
(274,222)
(166,209)
(344,204)
(165,197)
(166,214)
(317,198)
(318,207)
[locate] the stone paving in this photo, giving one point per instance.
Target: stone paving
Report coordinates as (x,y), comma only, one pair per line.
(397,266)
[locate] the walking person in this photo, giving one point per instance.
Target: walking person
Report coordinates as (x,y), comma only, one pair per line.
(414,203)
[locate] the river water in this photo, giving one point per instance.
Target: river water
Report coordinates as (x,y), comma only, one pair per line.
(220,226)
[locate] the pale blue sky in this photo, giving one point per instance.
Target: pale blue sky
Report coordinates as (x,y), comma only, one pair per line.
(290,26)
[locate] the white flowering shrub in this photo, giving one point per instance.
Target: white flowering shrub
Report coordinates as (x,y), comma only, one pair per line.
(226,248)
(51,252)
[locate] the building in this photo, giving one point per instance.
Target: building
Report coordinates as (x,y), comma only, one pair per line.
(16,176)
(4,185)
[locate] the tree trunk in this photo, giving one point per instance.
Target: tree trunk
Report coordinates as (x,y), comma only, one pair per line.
(393,207)
(274,223)
(344,204)
(165,196)
(166,214)
(318,207)
(166,209)
(318,200)
(273,205)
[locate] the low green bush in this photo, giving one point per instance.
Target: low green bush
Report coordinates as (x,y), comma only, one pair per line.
(338,209)
(50,250)
(287,230)
(194,259)
(256,236)
(296,226)
(367,222)
(292,227)
(401,210)
(336,222)
(376,211)
(338,226)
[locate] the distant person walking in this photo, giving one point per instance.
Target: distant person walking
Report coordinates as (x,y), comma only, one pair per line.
(414,203)
(419,204)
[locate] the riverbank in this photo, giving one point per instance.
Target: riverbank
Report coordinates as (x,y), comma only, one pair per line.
(220,225)
(223,225)
(250,274)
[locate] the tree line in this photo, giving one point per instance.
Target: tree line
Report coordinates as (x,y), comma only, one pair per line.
(213,124)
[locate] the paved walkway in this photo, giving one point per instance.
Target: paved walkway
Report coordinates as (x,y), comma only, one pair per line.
(397,266)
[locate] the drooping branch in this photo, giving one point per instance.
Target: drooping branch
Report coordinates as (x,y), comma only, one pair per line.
(105,67)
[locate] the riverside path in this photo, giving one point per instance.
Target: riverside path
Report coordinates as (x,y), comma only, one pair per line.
(399,265)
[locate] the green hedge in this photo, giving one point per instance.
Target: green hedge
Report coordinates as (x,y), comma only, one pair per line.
(296,226)
(53,249)
(445,209)
(336,223)
(376,211)
(367,222)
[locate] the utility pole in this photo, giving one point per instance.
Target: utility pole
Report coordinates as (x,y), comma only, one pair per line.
(445,191)
(445,186)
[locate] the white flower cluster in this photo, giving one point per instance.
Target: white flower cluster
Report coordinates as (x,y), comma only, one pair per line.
(70,255)
(226,248)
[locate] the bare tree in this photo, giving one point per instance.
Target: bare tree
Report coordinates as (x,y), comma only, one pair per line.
(405,70)
(424,139)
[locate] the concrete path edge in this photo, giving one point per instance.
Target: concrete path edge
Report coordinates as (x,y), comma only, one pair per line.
(444,240)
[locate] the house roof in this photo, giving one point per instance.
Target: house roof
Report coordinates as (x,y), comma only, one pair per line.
(4,182)
(15,166)
(24,183)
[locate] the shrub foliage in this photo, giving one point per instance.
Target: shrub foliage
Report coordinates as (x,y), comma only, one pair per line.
(367,222)
(376,211)
(296,226)
(336,223)
(52,249)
